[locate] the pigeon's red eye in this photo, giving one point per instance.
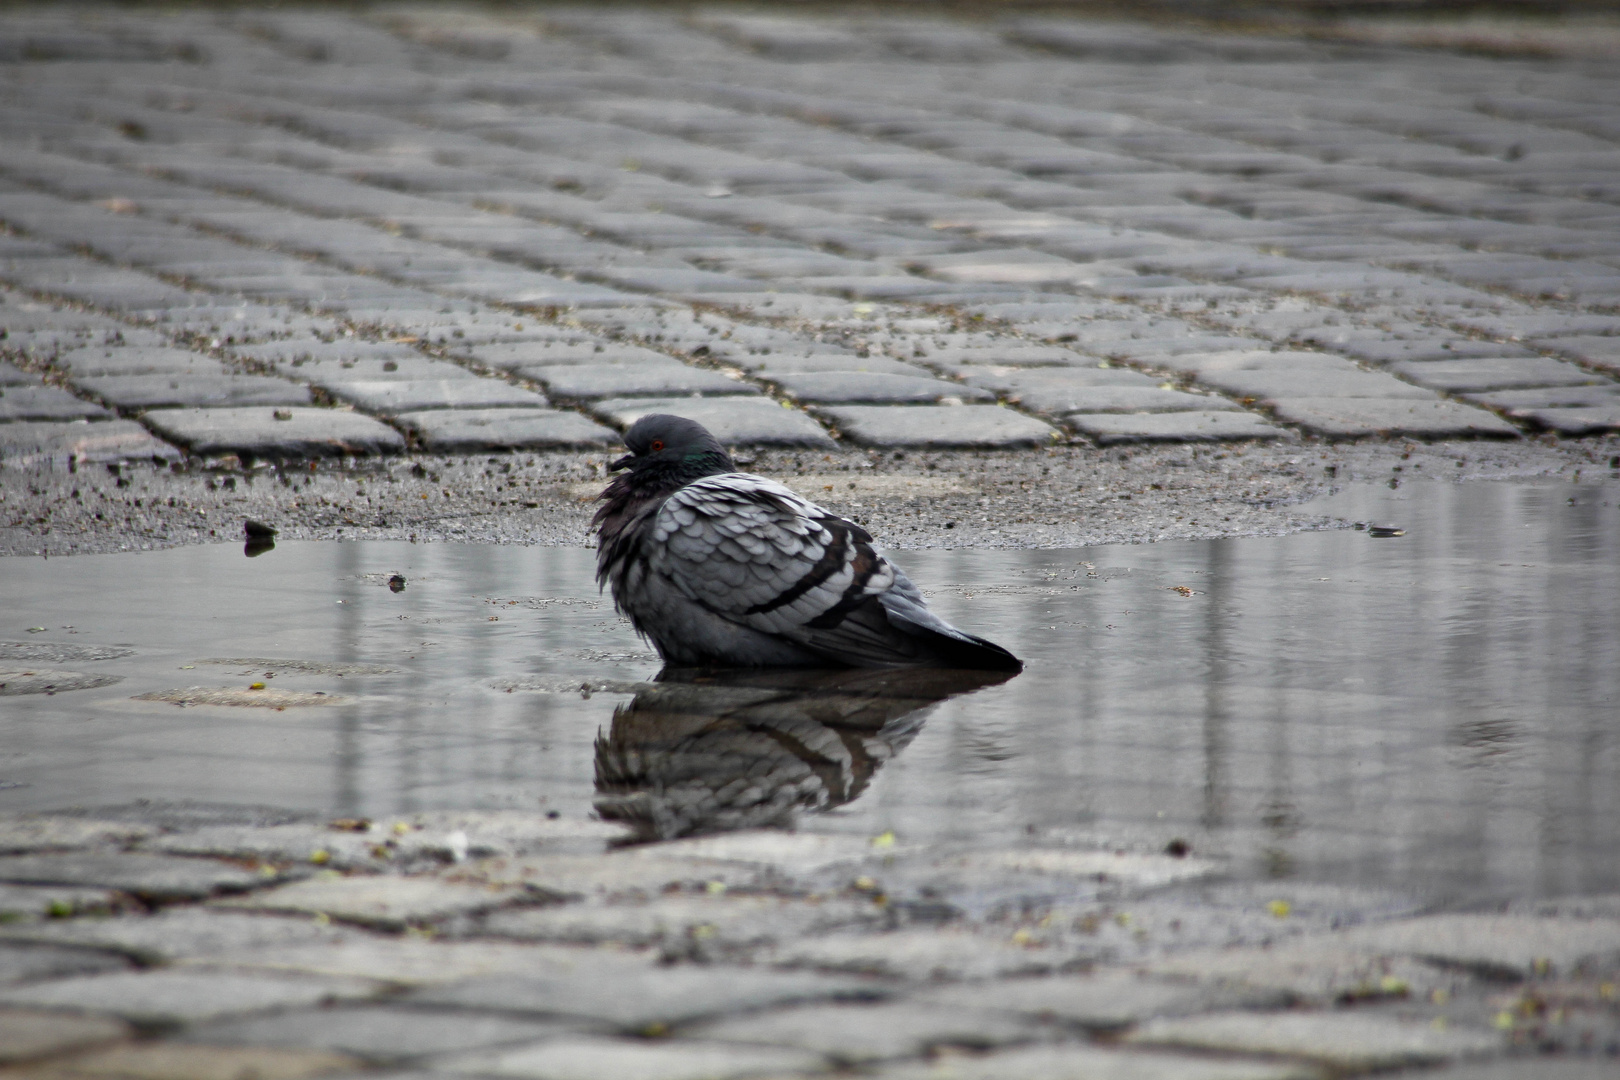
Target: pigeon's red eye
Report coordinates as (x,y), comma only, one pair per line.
(657,445)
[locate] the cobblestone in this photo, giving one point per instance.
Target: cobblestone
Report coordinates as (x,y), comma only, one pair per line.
(46,403)
(154,877)
(1132,233)
(1388,417)
(975,426)
(173,1061)
(274,433)
(737,421)
(136,393)
(622,1059)
(382,1034)
(408,395)
(162,999)
(25,1035)
(462,430)
(1349,1043)
(953,197)
(389,904)
(1201,426)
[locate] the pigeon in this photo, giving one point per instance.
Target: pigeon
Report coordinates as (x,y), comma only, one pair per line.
(720,568)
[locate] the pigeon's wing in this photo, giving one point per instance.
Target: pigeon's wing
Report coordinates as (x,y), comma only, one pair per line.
(753,552)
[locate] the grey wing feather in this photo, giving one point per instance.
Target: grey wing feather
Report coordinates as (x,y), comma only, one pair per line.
(755,553)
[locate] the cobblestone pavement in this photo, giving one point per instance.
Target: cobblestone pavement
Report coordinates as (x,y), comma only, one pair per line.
(240,237)
(164,942)
(279,235)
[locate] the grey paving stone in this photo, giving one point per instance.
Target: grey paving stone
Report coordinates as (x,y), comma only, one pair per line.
(315,352)
(1596,396)
(415,962)
(1159,351)
(1318,970)
(735,421)
(855,1034)
(52,901)
(1199,364)
(1094,1063)
(21,962)
(1602,353)
(1014,353)
(633,873)
(1534,326)
(1351,418)
(21,833)
(452,431)
(1267,386)
(1125,399)
(409,395)
(274,433)
(1381,350)
(786,364)
(11,375)
(1539,1067)
(50,681)
(638,996)
(326,373)
(1474,376)
(1342,1040)
(1589,421)
(961,426)
(1517,945)
(155,877)
(26,1035)
(168,997)
(426,837)
(387,902)
(136,392)
(179,933)
(133,360)
(920,956)
(168,1060)
(722,922)
(1105,1002)
(1020,381)
(585,352)
(785,855)
(380,1033)
(581,1058)
(633,380)
(46,403)
(1206,426)
(834,387)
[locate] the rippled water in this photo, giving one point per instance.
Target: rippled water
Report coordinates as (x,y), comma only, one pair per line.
(1436,710)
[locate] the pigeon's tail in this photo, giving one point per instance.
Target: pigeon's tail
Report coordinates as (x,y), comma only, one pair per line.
(955,648)
(908,612)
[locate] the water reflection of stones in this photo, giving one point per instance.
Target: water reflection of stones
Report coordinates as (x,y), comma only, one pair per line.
(700,751)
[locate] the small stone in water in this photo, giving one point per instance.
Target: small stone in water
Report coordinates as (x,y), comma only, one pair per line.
(396,583)
(257,530)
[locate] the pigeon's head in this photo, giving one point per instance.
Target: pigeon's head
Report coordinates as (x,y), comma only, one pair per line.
(672,446)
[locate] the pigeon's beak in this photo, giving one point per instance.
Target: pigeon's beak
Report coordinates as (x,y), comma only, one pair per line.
(623,463)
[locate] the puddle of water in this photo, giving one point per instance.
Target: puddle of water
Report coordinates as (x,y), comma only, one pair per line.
(1430,711)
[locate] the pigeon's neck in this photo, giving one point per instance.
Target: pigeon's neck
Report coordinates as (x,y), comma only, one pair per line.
(647,484)
(659,479)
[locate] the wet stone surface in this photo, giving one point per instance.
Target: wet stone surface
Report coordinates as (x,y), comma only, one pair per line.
(937,917)
(1316,803)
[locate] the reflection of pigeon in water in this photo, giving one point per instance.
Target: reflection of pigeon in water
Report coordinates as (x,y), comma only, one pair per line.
(720,567)
(704,751)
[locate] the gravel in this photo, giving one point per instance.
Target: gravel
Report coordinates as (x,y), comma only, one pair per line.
(1068,496)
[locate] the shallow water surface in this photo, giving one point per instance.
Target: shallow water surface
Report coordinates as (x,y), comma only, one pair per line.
(1433,711)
